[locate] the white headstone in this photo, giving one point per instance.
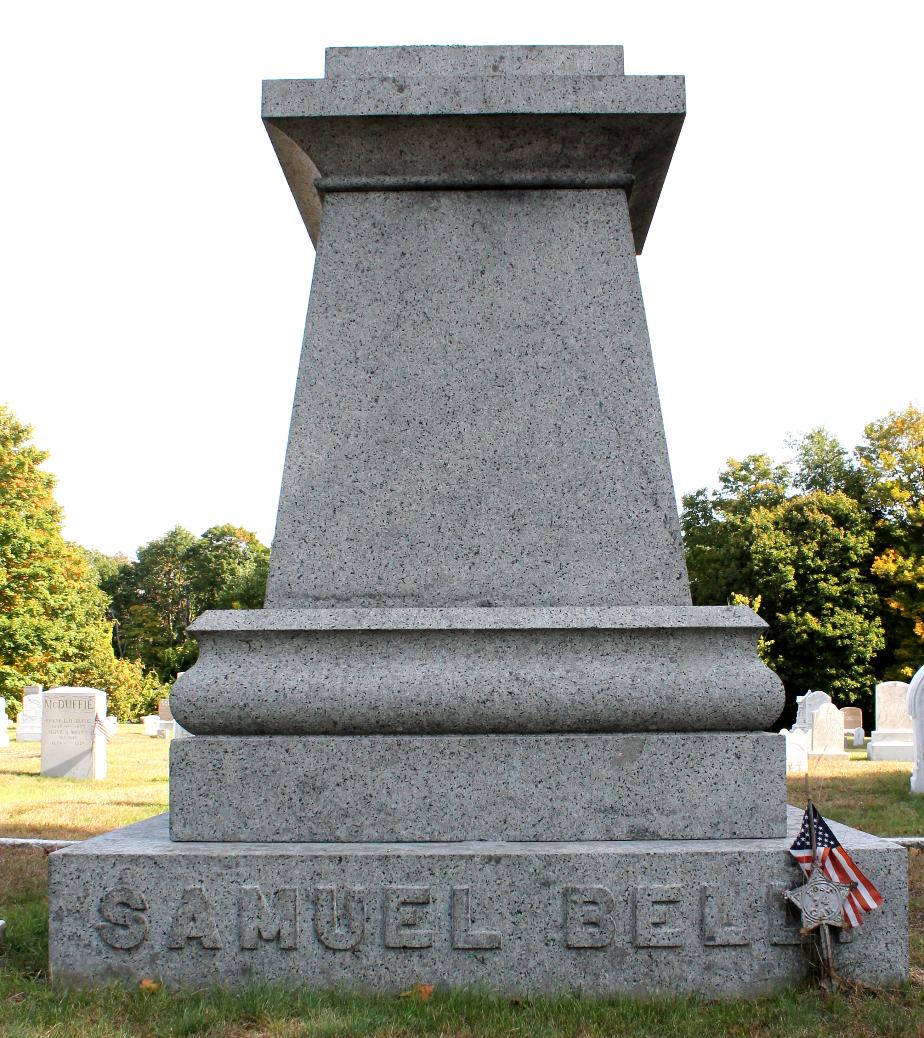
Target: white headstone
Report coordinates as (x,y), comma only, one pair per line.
(859,738)
(4,724)
(73,743)
(29,722)
(151,724)
(893,738)
(827,732)
(916,712)
(797,747)
(808,704)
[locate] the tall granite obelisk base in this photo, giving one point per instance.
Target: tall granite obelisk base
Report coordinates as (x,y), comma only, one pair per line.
(478,734)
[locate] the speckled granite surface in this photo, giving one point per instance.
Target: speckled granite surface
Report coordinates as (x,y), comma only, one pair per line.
(476,420)
(636,916)
(290,672)
(489,787)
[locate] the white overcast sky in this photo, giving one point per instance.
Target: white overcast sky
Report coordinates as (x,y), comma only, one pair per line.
(154,271)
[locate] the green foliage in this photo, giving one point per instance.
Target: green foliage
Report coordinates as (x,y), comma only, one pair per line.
(891,464)
(176,578)
(227,569)
(53,624)
(810,559)
(823,464)
(799,548)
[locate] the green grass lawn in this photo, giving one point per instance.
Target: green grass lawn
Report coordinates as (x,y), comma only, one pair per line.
(871,796)
(71,809)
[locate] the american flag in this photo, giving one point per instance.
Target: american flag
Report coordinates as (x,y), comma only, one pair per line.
(98,726)
(836,864)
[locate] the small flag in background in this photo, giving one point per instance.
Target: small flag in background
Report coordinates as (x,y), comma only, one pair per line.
(98,726)
(836,864)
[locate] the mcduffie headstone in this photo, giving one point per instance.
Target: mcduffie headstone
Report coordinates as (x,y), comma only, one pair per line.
(74,733)
(443,749)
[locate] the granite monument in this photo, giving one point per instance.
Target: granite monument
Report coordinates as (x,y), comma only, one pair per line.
(443,749)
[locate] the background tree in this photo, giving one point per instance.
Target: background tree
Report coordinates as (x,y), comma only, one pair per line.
(226,568)
(175,578)
(803,560)
(810,565)
(53,624)
(822,463)
(891,465)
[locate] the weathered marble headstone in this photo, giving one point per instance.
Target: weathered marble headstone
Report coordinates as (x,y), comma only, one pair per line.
(797,751)
(443,748)
(859,738)
(29,722)
(827,732)
(74,734)
(4,724)
(916,712)
(892,738)
(151,723)
(808,704)
(852,717)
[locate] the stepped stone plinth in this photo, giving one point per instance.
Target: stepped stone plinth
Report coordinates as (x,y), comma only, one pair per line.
(478,734)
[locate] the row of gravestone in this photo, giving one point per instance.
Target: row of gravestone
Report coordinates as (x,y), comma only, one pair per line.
(821,728)
(73,728)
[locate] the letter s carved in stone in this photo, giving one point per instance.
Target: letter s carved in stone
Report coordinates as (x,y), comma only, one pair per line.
(125,927)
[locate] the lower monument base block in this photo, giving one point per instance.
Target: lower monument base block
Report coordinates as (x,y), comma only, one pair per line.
(512,788)
(599,917)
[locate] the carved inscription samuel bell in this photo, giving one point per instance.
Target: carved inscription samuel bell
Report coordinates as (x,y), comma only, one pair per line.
(418,917)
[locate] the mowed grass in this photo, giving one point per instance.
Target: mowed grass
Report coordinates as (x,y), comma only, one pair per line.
(73,809)
(871,796)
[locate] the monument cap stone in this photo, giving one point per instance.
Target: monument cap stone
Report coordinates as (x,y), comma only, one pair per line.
(444,116)
(458,60)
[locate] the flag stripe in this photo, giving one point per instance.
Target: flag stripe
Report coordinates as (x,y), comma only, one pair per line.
(836,864)
(865,891)
(852,910)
